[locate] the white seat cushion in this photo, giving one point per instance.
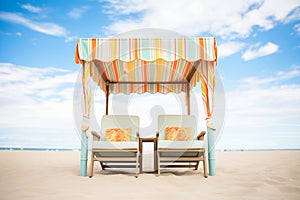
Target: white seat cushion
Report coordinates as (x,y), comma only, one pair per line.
(192,144)
(115,145)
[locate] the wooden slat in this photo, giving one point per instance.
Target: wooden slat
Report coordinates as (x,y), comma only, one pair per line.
(172,159)
(120,159)
(147,139)
(109,156)
(131,161)
(177,166)
(181,150)
(115,150)
(120,166)
(180,161)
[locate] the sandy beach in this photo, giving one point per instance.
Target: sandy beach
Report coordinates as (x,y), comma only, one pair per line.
(240,175)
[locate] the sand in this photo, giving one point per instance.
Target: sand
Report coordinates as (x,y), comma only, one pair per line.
(240,175)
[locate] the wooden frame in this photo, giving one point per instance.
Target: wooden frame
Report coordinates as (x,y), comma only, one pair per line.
(96,156)
(200,156)
(187,82)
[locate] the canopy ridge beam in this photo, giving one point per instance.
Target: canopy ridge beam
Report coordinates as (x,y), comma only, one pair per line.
(188,87)
(100,71)
(105,79)
(193,71)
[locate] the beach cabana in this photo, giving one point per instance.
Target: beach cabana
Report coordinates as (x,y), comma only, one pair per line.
(152,65)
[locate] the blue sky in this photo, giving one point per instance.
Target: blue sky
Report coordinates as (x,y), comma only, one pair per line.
(259,48)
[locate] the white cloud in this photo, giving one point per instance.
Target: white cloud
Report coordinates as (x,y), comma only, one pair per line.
(42,27)
(257,82)
(36,97)
(261,51)
(71,38)
(125,6)
(293,16)
(289,75)
(297,28)
(76,13)
(265,101)
(31,8)
(229,48)
(264,106)
(196,17)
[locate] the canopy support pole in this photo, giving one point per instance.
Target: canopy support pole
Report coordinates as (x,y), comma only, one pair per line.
(84,141)
(107,98)
(188,102)
(84,154)
(211,152)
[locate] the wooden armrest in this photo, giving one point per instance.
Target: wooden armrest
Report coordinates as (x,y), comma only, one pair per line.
(157,135)
(201,135)
(96,136)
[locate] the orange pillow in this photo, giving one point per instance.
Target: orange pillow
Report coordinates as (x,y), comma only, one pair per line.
(178,133)
(118,134)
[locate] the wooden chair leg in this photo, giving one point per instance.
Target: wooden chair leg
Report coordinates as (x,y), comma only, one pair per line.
(102,165)
(205,166)
(158,163)
(137,164)
(141,155)
(197,165)
(91,165)
(155,155)
(155,161)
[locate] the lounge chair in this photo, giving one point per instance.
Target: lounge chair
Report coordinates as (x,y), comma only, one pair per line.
(178,143)
(118,144)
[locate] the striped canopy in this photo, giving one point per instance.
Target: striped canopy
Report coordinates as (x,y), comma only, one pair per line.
(146,65)
(139,65)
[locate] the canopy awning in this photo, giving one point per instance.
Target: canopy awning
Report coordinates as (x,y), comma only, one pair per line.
(128,65)
(147,65)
